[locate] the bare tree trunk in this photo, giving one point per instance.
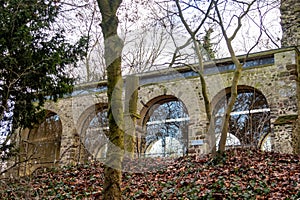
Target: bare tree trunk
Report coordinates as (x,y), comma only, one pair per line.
(236,78)
(131,97)
(237,72)
(215,12)
(113,49)
(204,89)
(199,68)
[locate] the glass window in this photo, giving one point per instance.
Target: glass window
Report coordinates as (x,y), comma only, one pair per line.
(94,135)
(249,118)
(167,129)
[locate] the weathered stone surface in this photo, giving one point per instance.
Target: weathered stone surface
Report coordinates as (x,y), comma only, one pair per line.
(272,80)
(290,22)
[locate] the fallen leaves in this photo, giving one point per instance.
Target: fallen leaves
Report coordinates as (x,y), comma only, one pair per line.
(243,174)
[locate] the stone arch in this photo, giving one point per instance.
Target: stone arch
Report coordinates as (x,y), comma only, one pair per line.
(40,145)
(250,117)
(165,121)
(92,128)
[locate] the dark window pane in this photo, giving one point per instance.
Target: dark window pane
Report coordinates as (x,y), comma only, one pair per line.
(167,129)
(249,119)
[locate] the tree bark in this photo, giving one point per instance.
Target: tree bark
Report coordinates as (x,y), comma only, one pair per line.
(236,78)
(131,97)
(237,72)
(199,68)
(113,49)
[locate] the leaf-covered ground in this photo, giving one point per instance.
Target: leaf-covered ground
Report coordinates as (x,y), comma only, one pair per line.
(242,174)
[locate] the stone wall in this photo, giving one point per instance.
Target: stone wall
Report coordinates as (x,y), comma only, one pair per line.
(290,23)
(186,90)
(73,112)
(286,101)
(276,80)
(297,130)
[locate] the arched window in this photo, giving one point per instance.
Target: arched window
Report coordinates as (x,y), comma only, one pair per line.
(42,146)
(93,134)
(166,124)
(249,119)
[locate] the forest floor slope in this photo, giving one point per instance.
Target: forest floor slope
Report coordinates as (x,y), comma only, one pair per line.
(241,174)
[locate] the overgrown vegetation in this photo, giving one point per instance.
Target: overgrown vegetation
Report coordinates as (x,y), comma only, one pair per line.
(243,174)
(34,60)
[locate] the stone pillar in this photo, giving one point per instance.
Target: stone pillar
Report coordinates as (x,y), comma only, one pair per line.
(130,116)
(296,133)
(290,22)
(297,130)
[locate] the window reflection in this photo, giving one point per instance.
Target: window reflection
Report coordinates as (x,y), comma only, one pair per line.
(94,139)
(249,119)
(167,128)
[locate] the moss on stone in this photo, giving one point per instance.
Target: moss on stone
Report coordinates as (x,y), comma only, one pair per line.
(286,119)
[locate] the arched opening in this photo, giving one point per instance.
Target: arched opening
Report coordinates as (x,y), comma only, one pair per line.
(93,131)
(40,146)
(166,124)
(249,123)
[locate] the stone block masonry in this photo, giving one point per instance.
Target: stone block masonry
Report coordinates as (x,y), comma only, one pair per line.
(274,74)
